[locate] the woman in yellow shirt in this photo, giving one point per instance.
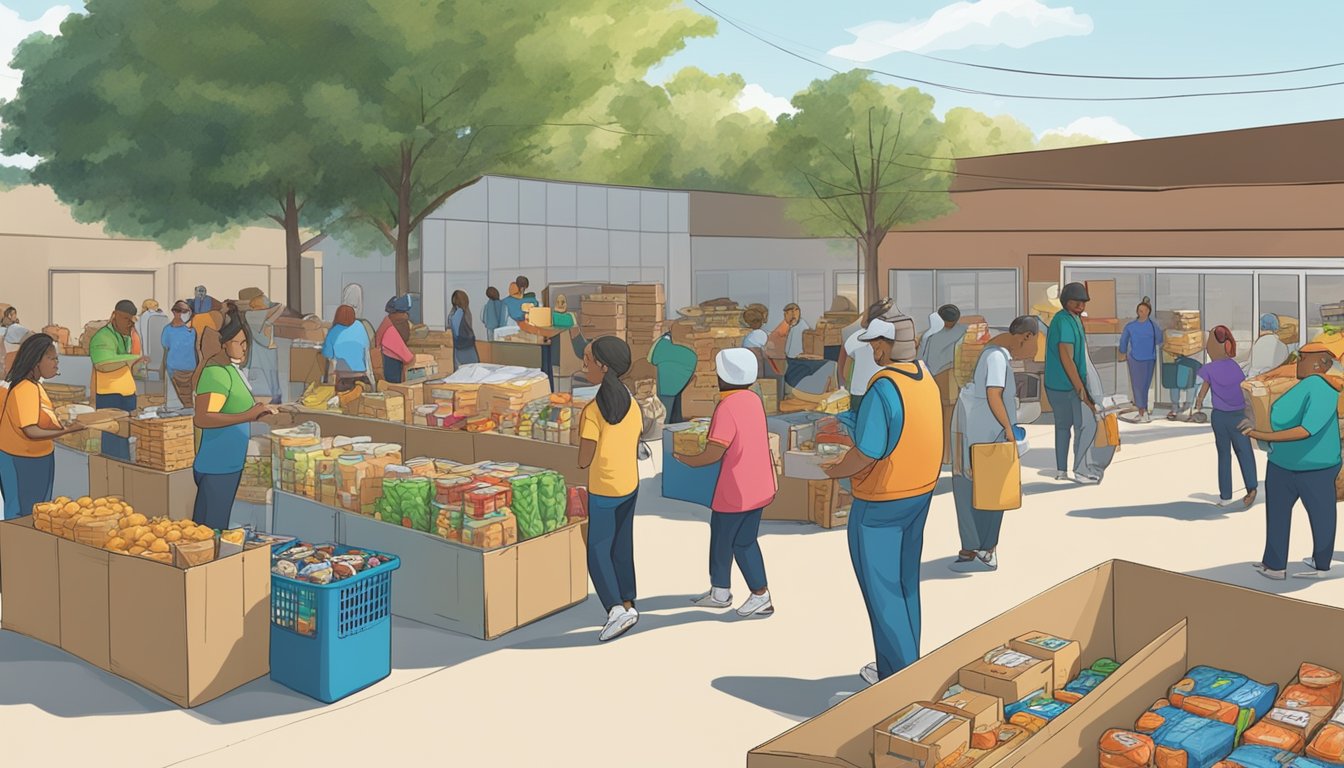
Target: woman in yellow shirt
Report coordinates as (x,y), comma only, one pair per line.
(28,424)
(609,431)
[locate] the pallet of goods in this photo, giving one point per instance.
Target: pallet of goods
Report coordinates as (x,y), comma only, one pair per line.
(165,443)
(603,314)
(702,394)
(646,310)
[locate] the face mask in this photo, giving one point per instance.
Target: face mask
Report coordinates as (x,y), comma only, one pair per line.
(186,317)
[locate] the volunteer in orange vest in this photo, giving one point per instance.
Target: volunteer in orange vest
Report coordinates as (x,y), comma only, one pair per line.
(894,466)
(28,424)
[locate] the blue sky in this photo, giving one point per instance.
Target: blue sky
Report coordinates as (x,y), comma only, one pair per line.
(1150,38)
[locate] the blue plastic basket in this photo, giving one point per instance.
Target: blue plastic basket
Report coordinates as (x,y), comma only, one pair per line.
(331,640)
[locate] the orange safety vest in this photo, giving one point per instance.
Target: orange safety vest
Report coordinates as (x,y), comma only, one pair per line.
(912,467)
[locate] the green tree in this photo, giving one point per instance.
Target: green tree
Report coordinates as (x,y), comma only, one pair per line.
(188,126)
(865,158)
(440,92)
(13,176)
(975,134)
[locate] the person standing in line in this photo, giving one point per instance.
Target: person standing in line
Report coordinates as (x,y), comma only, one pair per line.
(609,430)
(346,350)
(262,355)
(894,464)
(1268,352)
(14,335)
(986,412)
(1138,343)
(224,408)
(113,385)
(464,336)
(495,315)
(1066,383)
(1304,460)
(179,344)
(150,328)
(1223,377)
(28,424)
(675,359)
(738,441)
(1179,376)
(939,353)
(754,318)
(857,365)
(353,297)
(202,302)
(519,297)
(935,325)
(392,338)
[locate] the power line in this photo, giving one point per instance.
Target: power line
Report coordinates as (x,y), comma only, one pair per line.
(1033,97)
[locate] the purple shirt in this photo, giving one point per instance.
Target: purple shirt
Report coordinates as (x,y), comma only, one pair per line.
(1224,378)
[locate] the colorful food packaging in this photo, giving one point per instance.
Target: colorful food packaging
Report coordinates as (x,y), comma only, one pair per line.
(1126,749)
(1181,738)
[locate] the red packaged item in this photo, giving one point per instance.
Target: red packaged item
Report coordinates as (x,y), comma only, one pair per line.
(578,502)
(483,501)
(500,483)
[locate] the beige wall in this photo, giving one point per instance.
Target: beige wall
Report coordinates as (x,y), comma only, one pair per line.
(38,237)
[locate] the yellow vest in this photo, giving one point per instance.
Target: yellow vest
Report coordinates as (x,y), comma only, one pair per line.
(912,467)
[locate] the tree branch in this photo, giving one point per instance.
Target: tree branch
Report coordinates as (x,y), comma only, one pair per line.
(312,241)
(440,200)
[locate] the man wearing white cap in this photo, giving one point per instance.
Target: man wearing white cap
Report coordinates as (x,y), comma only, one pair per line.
(895,461)
(740,443)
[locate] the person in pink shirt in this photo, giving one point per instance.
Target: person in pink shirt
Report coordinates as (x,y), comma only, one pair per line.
(739,442)
(391,340)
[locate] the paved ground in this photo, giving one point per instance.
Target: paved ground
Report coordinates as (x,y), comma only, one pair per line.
(687,687)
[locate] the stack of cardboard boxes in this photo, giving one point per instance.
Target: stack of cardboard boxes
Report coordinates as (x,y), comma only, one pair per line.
(380,405)
(166,445)
(604,314)
(702,394)
(972,345)
(1184,337)
(646,308)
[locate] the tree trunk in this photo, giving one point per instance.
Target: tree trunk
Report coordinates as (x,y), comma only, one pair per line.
(293,255)
(403,241)
(872,280)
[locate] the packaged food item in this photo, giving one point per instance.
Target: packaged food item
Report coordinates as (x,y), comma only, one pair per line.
(1211,709)
(1181,738)
(1269,734)
(1328,745)
(1008,674)
(922,733)
(1125,749)
(1255,699)
(1253,756)
(984,710)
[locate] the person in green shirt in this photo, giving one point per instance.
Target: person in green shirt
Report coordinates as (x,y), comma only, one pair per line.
(1066,382)
(112,359)
(1304,459)
(224,408)
(675,359)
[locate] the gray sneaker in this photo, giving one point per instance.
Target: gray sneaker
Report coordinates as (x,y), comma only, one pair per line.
(619,621)
(869,673)
(708,601)
(1269,573)
(1314,573)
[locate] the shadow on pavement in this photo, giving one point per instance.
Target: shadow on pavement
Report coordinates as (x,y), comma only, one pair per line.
(654,614)
(1244,575)
(789,697)
(1188,511)
(34,673)
(938,570)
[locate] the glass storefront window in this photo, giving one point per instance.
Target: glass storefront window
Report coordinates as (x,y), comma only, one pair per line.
(990,293)
(1321,289)
(1228,301)
(913,291)
(1279,295)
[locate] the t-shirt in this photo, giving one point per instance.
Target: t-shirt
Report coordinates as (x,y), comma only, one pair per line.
(199,322)
(15,334)
(676,365)
(881,420)
(793,348)
(939,351)
(179,343)
(615,469)
(996,367)
(223,449)
(1065,328)
(347,345)
(865,365)
(108,346)
(757,339)
(25,405)
(1139,340)
(1312,404)
(747,471)
(1224,378)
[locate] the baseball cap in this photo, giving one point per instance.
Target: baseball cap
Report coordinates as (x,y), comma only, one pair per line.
(736,366)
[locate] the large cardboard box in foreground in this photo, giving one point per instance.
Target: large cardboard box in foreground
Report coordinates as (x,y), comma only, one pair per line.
(188,635)
(151,492)
(1157,623)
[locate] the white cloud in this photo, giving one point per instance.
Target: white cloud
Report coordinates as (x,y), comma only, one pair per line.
(13,30)
(1012,23)
(1105,128)
(755,97)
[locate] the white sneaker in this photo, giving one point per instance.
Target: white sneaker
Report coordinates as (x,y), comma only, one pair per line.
(1314,573)
(757,605)
(869,673)
(976,564)
(1060,475)
(715,598)
(1263,570)
(1229,502)
(619,621)
(990,559)
(1147,418)
(1085,479)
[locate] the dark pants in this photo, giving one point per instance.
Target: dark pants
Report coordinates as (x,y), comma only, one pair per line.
(25,481)
(214,499)
(1141,380)
(733,536)
(979,528)
(394,371)
(831,353)
(1228,439)
(346,381)
(672,404)
(465,356)
(1065,406)
(1283,489)
(611,548)
(886,544)
(116,446)
(549,356)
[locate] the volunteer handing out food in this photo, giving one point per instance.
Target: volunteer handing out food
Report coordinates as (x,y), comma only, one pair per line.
(224,406)
(27,427)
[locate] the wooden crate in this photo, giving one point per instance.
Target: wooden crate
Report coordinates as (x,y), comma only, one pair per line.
(166,445)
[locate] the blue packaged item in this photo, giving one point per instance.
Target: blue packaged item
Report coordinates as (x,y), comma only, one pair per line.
(1085,682)
(1256,698)
(1203,742)
(1253,756)
(1302,761)
(1038,704)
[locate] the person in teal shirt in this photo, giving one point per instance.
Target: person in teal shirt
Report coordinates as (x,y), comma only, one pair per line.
(1304,459)
(675,360)
(224,408)
(1066,382)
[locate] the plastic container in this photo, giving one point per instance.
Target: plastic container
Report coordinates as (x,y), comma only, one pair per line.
(331,640)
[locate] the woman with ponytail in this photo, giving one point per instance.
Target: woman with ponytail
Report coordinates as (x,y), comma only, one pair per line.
(609,430)
(28,424)
(1222,377)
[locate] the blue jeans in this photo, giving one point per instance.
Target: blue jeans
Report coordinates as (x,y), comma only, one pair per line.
(25,481)
(1283,489)
(1066,409)
(1141,379)
(116,446)
(979,528)
(886,544)
(733,536)
(214,498)
(1227,439)
(394,371)
(611,548)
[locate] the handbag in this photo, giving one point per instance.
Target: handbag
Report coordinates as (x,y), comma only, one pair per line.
(1108,431)
(996,477)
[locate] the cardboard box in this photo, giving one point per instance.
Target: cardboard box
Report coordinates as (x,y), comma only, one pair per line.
(188,635)
(306,364)
(150,491)
(1065,655)
(1101,295)
(983,710)
(1183,342)
(646,292)
(1261,394)
(1008,674)
(828,505)
(595,309)
(923,733)
(413,396)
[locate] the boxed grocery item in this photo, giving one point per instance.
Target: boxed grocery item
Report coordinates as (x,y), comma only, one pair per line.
(413,397)
(1180,738)
(166,444)
(1261,392)
(983,710)
(1186,343)
(1066,655)
(189,635)
(828,504)
(1308,702)
(920,734)
(498,529)
(1008,674)
(1289,329)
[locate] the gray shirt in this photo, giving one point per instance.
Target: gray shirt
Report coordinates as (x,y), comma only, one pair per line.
(940,351)
(793,348)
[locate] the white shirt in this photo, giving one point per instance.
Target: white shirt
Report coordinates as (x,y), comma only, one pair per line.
(996,369)
(865,367)
(757,339)
(793,348)
(1268,353)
